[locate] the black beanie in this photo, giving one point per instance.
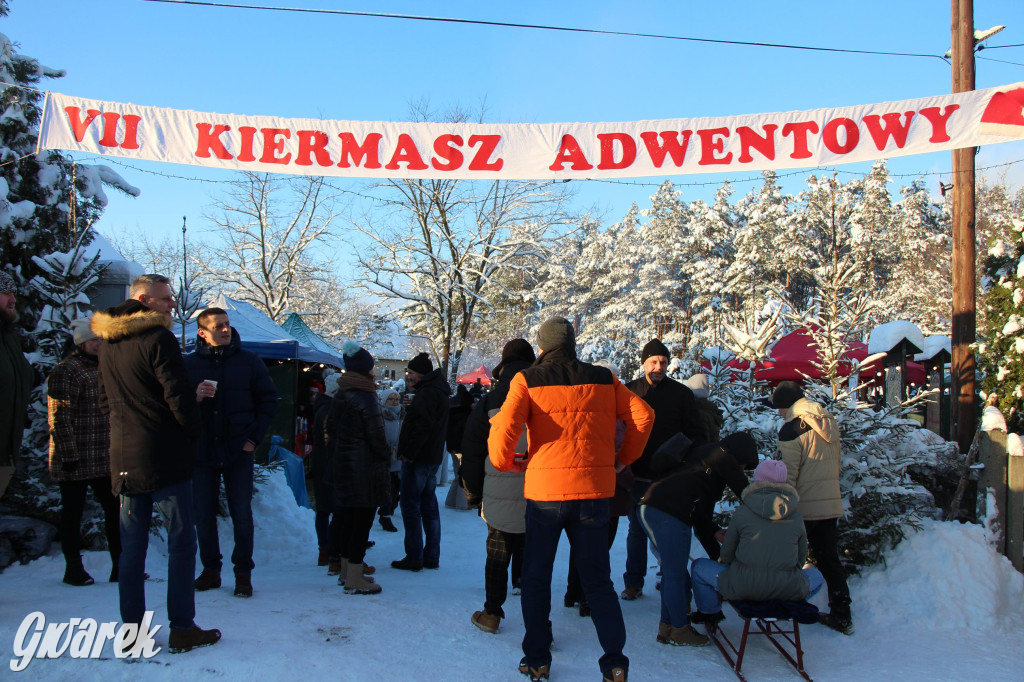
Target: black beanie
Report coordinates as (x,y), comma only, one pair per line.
(743,447)
(516,349)
(421,364)
(785,394)
(557,332)
(654,347)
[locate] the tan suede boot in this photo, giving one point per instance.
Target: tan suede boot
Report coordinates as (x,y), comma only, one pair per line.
(356,582)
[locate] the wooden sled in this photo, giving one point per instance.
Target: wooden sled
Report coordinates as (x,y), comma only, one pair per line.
(778,621)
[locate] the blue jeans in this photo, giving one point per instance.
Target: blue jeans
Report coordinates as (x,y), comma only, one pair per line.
(705,584)
(174,504)
(671,537)
(585,522)
(636,540)
(206,493)
(420,514)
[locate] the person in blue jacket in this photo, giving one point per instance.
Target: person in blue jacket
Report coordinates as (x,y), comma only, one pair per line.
(237,401)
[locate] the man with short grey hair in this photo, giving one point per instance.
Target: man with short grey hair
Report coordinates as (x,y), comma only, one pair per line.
(154,292)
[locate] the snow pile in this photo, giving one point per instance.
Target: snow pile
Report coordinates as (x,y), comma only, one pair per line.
(946,576)
(283,528)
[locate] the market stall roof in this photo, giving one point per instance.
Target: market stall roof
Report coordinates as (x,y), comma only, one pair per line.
(297,327)
(481,373)
(262,336)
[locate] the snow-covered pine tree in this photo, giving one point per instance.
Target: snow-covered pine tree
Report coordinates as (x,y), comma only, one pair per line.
(665,282)
(709,248)
(1001,352)
(871,242)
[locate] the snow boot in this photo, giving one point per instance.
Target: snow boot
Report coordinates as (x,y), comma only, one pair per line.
(356,583)
(615,675)
(334,566)
(837,623)
(387,524)
(686,636)
(75,573)
(536,674)
(209,579)
(322,559)
(368,569)
(243,586)
(664,632)
(180,641)
(631,593)
(486,621)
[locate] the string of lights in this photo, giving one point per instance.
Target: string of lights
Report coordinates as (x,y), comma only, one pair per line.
(545,27)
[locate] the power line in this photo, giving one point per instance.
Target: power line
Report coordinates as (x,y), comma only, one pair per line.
(542,27)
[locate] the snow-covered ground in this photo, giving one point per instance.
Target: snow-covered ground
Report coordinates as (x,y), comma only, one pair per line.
(946,608)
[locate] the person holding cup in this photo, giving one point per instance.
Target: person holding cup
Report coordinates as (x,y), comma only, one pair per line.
(237,400)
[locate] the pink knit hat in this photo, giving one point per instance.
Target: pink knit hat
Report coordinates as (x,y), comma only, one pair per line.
(771,471)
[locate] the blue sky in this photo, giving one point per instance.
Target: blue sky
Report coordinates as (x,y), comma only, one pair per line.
(358,68)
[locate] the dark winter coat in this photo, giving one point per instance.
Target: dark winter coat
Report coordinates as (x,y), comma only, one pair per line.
(146,393)
(16,382)
(357,449)
(691,493)
(765,546)
(79,431)
(499,493)
(319,462)
(459,407)
(242,407)
(675,410)
(422,439)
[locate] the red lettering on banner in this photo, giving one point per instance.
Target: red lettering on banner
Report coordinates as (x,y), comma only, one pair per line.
(449,152)
(78,126)
(608,141)
(711,145)
(272,145)
(569,152)
(131,131)
(248,139)
(750,139)
(209,141)
(406,152)
(109,138)
(669,145)
(800,131)
(488,143)
(354,153)
(938,120)
(891,128)
(312,142)
(830,135)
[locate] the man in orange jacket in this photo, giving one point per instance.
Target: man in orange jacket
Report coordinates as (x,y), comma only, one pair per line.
(570,409)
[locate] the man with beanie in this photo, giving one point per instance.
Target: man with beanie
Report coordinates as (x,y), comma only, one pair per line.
(763,552)
(16,379)
(80,451)
(237,401)
(154,423)
(421,448)
(675,411)
(570,410)
(809,446)
(498,494)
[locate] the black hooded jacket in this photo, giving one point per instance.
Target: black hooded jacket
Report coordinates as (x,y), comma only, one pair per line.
(146,392)
(422,438)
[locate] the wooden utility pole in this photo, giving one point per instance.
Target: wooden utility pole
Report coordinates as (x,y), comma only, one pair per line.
(963,409)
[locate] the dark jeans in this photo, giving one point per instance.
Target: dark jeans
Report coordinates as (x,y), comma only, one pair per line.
(238,488)
(573,588)
(420,514)
(823,542)
(585,522)
(502,549)
(174,504)
(355,525)
(324,494)
(396,488)
(672,538)
(636,540)
(72,504)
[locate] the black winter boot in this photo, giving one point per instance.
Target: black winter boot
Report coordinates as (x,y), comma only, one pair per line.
(75,574)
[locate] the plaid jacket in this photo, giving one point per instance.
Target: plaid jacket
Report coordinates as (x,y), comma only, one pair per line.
(79,432)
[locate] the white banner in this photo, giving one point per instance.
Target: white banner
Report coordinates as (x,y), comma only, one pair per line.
(383,149)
